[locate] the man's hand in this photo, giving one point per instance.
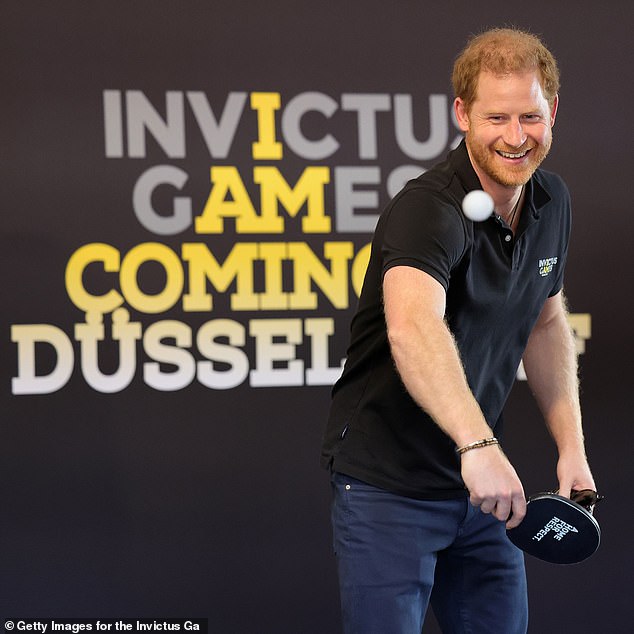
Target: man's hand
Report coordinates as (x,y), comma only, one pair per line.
(494,485)
(573,472)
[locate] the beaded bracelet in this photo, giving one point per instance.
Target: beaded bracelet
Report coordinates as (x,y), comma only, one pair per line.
(485,442)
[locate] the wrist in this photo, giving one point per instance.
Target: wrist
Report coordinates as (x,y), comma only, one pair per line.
(477,444)
(572,450)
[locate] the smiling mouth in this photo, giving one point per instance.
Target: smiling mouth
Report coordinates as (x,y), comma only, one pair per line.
(513,155)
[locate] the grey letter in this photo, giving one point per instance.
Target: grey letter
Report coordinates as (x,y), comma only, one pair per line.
(218,135)
(169,135)
(367,106)
(347,199)
(142,201)
(291,125)
(438,127)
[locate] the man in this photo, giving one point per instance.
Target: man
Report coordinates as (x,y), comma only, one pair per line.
(422,490)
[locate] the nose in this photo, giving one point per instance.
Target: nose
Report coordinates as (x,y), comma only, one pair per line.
(514,134)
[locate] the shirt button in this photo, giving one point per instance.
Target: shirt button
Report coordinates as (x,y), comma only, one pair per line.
(507,237)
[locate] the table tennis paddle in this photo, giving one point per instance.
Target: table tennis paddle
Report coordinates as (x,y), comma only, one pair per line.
(557,529)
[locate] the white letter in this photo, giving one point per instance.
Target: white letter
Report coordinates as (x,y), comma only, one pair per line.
(26,336)
(228,354)
(320,373)
(173,355)
(123,331)
(268,352)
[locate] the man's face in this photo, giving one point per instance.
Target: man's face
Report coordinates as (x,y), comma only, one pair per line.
(509,127)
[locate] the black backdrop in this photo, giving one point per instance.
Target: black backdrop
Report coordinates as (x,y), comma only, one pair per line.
(131,497)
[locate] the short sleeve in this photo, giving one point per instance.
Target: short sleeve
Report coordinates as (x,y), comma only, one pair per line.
(424,231)
(565,230)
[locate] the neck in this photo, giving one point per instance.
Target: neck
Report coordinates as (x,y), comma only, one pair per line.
(506,198)
(509,205)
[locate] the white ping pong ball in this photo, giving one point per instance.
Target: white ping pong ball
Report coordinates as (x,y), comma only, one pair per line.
(477,205)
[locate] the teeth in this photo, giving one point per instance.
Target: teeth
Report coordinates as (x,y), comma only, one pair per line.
(512,156)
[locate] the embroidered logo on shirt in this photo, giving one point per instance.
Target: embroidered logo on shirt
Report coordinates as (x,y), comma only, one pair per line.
(546,266)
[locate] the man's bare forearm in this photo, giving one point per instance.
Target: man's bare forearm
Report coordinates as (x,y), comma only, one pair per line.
(429,364)
(550,361)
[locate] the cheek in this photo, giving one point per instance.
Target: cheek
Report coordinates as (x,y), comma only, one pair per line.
(484,136)
(542,134)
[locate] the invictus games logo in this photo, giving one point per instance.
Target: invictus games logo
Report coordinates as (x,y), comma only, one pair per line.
(244,266)
(558,527)
(546,266)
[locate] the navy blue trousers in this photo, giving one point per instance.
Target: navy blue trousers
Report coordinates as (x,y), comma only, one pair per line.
(395,555)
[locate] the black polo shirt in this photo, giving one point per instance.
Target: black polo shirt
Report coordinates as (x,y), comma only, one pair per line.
(496,286)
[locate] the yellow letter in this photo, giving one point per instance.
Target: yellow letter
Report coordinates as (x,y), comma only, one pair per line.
(309,189)
(308,268)
(273,254)
(226,180)
(359,267)
(203,266)
(78,262)
(266,147)
(165,299)
(581,324)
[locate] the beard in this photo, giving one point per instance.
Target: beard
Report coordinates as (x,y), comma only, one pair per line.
(489,162)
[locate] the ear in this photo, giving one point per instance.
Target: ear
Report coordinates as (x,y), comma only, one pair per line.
(461,114)
(553,110)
